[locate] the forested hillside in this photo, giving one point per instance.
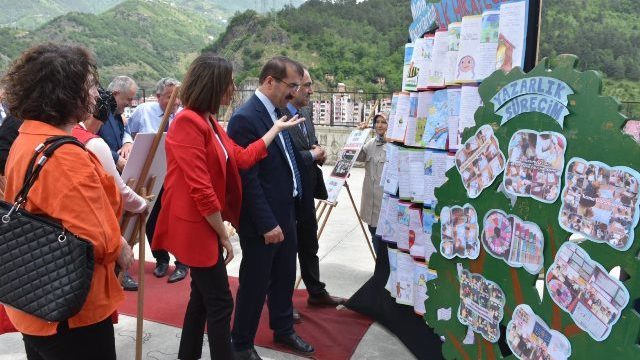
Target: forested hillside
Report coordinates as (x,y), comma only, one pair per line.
(605,34)
(359,42)
(356,43)
(29,14)
(144,40)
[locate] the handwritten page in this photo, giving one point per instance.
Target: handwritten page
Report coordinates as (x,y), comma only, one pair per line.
(512,36)
(438,64)
(469,53)
(453,98)
(422,54)
(488,44)
(453,38)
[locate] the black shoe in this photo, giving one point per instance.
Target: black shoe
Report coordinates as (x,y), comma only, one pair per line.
(249,354)
(179,274)
(128,283)
(296,316)
(161,270)
(295,343)
(325,300)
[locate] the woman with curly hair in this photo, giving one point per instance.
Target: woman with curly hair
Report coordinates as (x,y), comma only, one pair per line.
(53,87)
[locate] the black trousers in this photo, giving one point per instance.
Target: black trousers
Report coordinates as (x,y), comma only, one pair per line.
(210,302)
(307,231)
(265,271)
(161,256)
(94,342)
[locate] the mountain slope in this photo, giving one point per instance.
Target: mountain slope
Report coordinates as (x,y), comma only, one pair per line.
(354,42)
(141,39)
(30,14)
(359,42)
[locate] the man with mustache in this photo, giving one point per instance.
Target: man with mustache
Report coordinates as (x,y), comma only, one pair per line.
(272,192)
(312,154)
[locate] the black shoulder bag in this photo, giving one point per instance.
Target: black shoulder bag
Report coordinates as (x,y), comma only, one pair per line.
(45,271)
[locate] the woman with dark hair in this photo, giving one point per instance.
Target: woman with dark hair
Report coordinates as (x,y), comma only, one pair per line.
(53,87)
(374,154)
(203,188)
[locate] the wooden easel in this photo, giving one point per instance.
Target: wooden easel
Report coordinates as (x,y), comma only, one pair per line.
(324,209)
(143,184)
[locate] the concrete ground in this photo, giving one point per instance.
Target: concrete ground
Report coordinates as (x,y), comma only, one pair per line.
(345,264)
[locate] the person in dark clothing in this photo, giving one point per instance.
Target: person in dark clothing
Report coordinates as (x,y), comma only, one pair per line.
(8,134)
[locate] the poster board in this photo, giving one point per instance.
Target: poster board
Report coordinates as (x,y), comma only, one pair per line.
(158,169)
(346,158)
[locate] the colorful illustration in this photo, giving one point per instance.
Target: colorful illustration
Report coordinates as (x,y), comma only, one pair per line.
(504,54)
(529,337)
(466,68)
(454,36)
(583,288)
(404,279)
(535,164)
(519,243)
(481,305)
(421,275)
(459,232)
(490,24)
(436,130)
(600,202)
(479,161)
(401,232)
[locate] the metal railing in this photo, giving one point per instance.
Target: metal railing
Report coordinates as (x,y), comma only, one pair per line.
(350,108)
(333,108)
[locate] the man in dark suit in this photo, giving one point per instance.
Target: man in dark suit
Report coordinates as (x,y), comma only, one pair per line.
(116,134)
(312,154)
(271,191)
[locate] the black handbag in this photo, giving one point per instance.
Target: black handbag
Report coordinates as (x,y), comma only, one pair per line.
(45,271)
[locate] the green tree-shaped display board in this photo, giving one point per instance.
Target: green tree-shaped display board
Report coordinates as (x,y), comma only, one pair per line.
(593,132)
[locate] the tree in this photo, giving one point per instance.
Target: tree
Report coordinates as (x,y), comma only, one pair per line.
(593,132)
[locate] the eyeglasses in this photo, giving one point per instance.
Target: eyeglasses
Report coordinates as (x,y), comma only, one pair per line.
(294,86)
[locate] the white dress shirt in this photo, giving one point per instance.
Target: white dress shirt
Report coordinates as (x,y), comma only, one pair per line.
(271,109)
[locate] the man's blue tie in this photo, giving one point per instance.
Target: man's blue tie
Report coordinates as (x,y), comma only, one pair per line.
(289,147)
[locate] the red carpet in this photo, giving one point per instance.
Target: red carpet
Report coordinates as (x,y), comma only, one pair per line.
(335,334)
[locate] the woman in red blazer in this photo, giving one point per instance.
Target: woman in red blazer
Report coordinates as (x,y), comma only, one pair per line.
(203,188)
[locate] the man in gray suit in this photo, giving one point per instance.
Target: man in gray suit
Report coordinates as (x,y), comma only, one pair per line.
(312,154)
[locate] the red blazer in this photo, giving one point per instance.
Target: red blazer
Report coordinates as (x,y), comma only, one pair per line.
(200,182)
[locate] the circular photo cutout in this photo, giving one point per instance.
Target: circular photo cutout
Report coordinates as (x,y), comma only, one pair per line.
(560,293)
(497,233)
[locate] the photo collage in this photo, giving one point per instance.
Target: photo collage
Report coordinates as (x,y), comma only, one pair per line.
(519,243)
(600,202)
(481,305)
(535,164)
(529,337)
(582,287)
(459,232)
(479,161)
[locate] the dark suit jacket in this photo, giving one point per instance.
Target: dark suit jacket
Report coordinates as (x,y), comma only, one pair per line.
(300,141)
(267,188)
(112,132)
(200,181)
(303,144)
